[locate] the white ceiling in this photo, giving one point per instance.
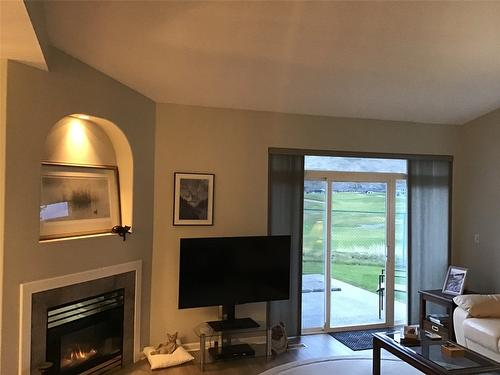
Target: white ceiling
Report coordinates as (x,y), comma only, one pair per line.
(18,40)
(435,62)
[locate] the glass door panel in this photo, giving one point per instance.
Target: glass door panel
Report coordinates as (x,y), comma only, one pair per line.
(313,257)
(358,253)
(401,254)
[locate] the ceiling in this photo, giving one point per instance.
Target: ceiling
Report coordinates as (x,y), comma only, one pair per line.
(433,62)
(18,40)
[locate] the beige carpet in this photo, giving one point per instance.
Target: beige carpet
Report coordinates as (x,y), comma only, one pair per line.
(342,365)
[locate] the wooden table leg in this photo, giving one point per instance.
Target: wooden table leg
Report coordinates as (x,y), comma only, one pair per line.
(376,357)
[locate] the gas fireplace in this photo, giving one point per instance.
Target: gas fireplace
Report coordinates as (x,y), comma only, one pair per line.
(86,336)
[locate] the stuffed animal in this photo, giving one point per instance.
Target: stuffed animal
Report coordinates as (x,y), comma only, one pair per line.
(167,347)
(279,341)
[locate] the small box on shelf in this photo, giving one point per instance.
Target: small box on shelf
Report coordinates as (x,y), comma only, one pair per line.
(452,350)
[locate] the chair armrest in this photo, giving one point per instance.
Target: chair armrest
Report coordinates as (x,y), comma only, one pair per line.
(459,316)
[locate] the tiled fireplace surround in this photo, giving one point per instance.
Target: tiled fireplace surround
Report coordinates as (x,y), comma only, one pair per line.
(37,296)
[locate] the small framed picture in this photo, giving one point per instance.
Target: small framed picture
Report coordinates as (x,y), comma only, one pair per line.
(78,200)
(455,280)
(193,198)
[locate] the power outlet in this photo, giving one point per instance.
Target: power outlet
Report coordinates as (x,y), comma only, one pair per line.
(476,239)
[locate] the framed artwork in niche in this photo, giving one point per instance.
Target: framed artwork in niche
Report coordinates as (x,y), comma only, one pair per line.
(78,200)
(193,198)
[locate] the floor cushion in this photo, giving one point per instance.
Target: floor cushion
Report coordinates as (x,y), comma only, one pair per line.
(179,356)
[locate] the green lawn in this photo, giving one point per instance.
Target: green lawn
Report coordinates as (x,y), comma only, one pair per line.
(358,236)
(362,276)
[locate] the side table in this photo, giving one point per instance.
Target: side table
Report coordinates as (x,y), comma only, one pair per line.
(446,300)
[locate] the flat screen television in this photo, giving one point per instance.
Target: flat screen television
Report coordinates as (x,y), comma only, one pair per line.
(233,270)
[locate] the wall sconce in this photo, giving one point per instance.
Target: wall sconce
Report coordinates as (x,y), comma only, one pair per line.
(121,231)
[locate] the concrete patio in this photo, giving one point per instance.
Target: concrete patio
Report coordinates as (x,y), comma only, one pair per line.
(351,305)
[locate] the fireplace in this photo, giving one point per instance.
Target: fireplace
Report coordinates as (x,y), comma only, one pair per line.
(59,296)
(86,336)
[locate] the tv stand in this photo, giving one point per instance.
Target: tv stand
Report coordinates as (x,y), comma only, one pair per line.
(233,324)
(220,340)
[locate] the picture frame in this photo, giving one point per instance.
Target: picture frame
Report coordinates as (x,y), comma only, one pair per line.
(77,200)
(454,282)
(193,198)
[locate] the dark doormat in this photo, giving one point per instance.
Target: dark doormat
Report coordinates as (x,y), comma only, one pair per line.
(358,340)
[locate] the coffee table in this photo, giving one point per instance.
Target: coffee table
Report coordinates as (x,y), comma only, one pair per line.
(427,357)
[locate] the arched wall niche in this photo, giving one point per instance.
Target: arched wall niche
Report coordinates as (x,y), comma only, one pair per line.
(89,140)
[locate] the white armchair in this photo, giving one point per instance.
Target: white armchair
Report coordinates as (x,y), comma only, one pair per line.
(477,323)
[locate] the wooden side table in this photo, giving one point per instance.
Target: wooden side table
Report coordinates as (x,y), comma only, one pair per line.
(438,297)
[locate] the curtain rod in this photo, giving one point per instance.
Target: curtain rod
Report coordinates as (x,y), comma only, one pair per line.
(359,154)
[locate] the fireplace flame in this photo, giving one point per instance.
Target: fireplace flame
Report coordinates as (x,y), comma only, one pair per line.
(77,356)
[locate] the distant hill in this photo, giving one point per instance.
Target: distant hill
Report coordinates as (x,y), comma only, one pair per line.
(340,164)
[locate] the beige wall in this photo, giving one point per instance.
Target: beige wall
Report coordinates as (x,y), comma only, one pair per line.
(36,100)
(233,144)
(76,141)
(477,202)
(3,102)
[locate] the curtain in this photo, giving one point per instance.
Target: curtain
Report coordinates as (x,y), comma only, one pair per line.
(429,201)
(285,215)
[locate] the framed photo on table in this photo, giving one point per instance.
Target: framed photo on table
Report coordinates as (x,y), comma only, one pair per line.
(454,282)
(193,198)
(78,200)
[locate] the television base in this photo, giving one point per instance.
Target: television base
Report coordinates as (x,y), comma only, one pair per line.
(233,324)
(232,352)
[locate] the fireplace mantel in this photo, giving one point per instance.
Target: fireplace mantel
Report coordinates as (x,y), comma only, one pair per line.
(28,289)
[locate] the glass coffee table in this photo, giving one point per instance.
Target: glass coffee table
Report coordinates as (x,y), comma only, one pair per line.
(426,356)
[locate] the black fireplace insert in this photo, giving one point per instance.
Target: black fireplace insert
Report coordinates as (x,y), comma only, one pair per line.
(86,336)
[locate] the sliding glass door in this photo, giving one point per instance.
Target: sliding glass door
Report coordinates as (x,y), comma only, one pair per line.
(359,226)
(354,250)
(314,253)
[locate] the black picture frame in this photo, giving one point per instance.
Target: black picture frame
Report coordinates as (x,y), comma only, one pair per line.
(193,199)
(454,282)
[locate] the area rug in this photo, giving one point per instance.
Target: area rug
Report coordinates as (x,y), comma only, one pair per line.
(357,340)
(342,366)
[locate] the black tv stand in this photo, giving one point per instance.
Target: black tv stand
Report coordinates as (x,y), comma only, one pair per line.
(223,339)
(232,352)
(233,324)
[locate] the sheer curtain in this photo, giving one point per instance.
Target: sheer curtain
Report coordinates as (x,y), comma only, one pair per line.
(429,203)
(285,213)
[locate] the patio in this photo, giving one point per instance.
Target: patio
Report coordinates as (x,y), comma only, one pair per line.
(351,305)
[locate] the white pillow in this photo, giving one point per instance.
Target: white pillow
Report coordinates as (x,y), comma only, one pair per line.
(480,305)
(180,355)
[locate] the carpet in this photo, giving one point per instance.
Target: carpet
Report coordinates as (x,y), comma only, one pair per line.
(357,340)
(342,366)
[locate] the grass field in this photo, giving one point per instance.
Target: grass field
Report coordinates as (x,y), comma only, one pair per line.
(358,236)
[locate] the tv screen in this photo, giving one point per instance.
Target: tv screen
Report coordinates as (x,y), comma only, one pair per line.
(233,270)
